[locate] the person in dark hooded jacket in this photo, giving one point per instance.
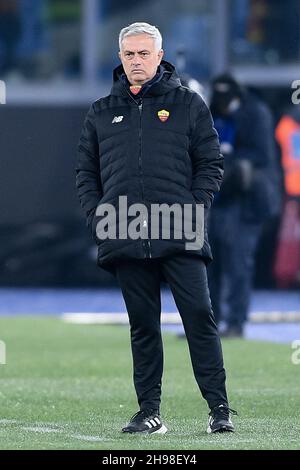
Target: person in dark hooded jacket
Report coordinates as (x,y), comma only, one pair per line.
(153,141)
(249,196)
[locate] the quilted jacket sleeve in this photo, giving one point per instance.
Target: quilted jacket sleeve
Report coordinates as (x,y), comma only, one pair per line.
(207,161)
(88,181)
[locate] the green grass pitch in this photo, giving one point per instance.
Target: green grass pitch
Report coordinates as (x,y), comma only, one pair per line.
(70,387)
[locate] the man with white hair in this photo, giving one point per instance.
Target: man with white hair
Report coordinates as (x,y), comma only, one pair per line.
(153,141)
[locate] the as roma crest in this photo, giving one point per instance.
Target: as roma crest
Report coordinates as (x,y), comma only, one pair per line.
(163,115)
(135,89)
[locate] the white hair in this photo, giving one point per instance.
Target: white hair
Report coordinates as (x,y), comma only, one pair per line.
(141,28)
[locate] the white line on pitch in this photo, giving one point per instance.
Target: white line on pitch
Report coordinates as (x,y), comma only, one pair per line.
(44,428)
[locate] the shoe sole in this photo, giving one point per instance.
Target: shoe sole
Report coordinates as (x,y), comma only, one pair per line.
(220,430)
(162,430)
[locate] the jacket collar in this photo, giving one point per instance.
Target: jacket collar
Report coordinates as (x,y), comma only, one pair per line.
(164,81)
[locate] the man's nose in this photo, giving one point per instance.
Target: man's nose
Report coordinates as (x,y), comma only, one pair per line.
(136,60)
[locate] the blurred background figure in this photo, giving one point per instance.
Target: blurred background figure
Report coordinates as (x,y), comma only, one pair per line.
(185,78)
(10,32)
(246,200)
(287,256)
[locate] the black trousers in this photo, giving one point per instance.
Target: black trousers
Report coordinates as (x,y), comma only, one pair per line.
(140,282)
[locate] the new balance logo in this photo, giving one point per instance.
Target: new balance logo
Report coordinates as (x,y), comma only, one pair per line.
(117,119)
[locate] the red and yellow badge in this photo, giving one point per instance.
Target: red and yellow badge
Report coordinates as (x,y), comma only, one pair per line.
(135,89)
(163,115)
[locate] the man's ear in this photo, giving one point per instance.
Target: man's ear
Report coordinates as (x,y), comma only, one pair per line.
(119,54)
(161,54)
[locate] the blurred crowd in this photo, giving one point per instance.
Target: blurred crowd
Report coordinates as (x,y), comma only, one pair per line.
(42,39)
(39,38)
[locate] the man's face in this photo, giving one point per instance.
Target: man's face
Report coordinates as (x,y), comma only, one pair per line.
(140,58)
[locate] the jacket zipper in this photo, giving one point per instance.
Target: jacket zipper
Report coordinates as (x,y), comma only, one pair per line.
(145,225)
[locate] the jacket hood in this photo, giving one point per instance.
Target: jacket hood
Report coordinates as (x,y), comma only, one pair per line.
(165,80)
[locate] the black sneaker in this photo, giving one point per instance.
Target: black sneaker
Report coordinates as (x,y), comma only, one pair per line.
(219,420)
(146,422)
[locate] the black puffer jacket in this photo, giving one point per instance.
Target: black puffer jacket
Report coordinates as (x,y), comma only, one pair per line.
(126,149)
